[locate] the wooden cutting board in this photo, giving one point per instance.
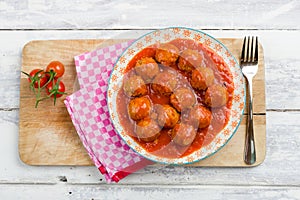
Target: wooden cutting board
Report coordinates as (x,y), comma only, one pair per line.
(47,135)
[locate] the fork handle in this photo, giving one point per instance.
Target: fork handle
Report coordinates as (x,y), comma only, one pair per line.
(250,152)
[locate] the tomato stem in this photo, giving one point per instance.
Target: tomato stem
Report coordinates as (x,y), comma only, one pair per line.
(52,75)
(39,100)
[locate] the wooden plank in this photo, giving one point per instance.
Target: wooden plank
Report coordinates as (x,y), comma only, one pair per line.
(9,116)
(41,142)
(59,191)
(131,14)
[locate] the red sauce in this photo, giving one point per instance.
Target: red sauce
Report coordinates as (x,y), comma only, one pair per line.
(147,52)
(163,145)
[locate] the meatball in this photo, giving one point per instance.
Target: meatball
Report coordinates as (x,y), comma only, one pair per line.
(183,134)
(164,83)
(135,86)
(167,116)
(216,96)
(200,116)
(139,108)
(202,77)
(147,68)
(189,59)
(167,54)
(147,130)
(183,98)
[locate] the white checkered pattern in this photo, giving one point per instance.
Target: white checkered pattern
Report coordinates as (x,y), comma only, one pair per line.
(97,64)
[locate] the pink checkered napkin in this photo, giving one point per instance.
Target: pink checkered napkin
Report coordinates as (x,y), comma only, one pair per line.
(97,65)
(89,113)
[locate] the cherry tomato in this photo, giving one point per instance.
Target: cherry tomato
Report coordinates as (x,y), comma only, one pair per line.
(56,68)
(36,77)
(55,88)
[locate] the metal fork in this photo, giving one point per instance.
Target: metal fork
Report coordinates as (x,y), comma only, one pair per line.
(249,66)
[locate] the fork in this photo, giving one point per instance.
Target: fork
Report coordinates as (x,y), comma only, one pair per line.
(249,66)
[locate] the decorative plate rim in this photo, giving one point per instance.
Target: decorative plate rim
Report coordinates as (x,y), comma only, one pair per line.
(115,83)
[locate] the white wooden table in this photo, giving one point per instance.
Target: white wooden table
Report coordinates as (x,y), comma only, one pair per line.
(275,22)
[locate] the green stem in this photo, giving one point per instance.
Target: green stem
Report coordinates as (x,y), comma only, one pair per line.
(39,100)
(52,75)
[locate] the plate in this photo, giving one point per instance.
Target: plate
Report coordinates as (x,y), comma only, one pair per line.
(164,36)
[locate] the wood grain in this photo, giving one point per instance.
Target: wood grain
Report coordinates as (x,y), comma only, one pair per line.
(47,136)
(132,14)
(29,192)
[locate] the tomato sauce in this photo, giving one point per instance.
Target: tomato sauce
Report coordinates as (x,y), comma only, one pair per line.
(163,145)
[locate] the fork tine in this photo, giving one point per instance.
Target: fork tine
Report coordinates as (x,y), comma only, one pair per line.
(256,50)
(251,51)
(248,50)
(243,50)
